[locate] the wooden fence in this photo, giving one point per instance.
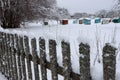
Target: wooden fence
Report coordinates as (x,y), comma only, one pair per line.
(15,59)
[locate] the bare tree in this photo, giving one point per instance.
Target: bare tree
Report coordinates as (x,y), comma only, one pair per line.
(13,12)
(63,13)
(10,10)
(113,13)
(102,13)
(116,4)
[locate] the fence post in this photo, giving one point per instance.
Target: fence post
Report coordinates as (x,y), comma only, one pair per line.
(109,62)
(35,58)
(84,50)
(43,58)
(27,52)
(17,40)
(66,60)
(53,59)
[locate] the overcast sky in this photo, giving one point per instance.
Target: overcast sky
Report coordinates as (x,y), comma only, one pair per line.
(89,6)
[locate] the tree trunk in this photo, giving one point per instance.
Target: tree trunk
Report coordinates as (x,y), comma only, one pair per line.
(10,16)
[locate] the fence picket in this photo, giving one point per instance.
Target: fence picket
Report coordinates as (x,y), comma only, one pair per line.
(27,52)
(17,40)
(109,62)
(5,54)
(35,58)
(8,54)
(66,60)
(0,51)
(84,50)
(43,59)
(53,59)
(10,57)
(22,58)
(14,56)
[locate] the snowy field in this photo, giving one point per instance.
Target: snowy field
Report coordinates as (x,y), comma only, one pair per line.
(96,35)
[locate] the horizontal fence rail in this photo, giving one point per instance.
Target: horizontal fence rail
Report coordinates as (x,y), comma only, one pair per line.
(16,59)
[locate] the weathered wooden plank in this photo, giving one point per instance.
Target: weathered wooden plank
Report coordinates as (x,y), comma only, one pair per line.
(53,59)
(8,54)
(4,54)
(27,52)
(43,59)
(13,46)
(10,57)
(21,47)
(19,65)
(35,58)
(66,60)
(0,51)
(84,50)
(11,54)
(109,62)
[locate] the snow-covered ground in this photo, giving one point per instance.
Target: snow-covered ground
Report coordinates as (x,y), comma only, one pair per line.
(75,34)
(2,77)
